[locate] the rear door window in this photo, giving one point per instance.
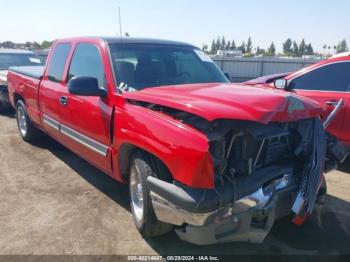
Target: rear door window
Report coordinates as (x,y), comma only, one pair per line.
(332,77)
(58,62)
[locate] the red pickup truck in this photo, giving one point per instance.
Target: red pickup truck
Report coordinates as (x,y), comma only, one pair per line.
(212,158)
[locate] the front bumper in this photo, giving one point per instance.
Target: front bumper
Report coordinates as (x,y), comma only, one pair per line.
(249,218)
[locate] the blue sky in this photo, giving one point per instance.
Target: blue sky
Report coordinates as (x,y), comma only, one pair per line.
(194,21)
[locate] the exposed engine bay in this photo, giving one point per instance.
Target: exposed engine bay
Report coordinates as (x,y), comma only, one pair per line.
(252,161)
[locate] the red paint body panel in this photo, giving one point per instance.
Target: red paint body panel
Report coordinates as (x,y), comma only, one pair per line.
(183,149)
(228,101)
(27,87)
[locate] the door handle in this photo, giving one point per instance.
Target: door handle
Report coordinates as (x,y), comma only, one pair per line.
(63,100)
(332,103)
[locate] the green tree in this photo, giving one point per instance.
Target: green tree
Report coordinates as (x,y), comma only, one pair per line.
(295,50)
(233,45)
(249,46)
(45,44)
(302,48)
(228,45)
(287,46)
(342,46)
(28,44)
(242,47)
(213,49)
(324,48)
(223,43)
(36,45)
(218,44)
(309,49)
(260,51)
(8,44)
(271,51)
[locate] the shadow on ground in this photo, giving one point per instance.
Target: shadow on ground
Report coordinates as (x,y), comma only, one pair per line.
(345,167)
(10,113)
(327,232)
(110,187)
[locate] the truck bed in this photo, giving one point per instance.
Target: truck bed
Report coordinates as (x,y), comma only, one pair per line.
(24,81)
(32,71)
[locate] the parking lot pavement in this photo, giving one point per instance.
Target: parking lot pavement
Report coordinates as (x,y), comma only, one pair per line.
(53,202)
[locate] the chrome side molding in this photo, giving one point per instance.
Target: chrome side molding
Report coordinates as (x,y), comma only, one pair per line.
(76,136)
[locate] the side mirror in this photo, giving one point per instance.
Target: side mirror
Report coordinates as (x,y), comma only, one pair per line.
(85,86)
(228,76)
(281,83)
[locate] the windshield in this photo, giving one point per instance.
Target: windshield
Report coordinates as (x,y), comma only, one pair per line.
(139,66)
(7,60)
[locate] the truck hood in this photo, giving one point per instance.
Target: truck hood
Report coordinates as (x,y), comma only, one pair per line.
(230,101)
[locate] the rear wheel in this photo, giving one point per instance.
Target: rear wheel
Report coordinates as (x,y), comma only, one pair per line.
(26,128)
(142,166)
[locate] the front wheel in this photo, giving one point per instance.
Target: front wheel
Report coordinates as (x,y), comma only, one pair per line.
(140,200)
(26,128)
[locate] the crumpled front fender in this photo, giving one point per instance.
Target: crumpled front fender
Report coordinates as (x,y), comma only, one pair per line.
(183,149)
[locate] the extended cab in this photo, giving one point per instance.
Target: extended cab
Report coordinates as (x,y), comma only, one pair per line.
(212,158)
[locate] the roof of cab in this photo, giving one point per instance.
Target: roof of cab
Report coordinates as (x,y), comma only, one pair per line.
(128,40)
(132,40)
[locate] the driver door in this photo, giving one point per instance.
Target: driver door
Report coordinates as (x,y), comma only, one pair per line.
(85,120)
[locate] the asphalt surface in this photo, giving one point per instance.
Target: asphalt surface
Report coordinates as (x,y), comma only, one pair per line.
(53,202)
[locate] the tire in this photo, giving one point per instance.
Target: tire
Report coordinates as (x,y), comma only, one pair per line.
(143,165)
(26,129)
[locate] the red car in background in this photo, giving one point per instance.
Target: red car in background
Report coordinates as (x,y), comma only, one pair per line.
(325,82)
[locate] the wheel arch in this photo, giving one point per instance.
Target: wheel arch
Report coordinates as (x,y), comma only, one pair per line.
(124,161)
(17,97)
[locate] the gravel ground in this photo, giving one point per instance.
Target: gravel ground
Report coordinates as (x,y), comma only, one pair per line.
(54,203)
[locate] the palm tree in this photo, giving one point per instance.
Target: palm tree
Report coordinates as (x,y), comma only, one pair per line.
(325,49)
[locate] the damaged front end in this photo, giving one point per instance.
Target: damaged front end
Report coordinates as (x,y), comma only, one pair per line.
(262,172)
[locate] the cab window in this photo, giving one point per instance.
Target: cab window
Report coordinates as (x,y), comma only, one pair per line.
(87,61)
(58,62)
(333,77)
